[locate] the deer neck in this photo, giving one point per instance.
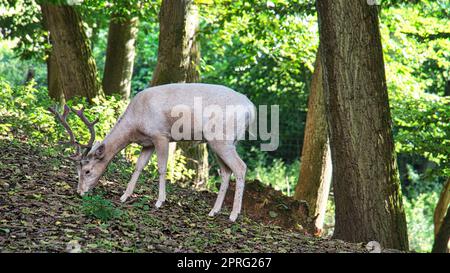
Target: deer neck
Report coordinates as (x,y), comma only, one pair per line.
(117,139)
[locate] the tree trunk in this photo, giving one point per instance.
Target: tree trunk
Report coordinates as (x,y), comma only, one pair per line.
(178,22)
(31,73)
(442,238)
(71,50)
(366,184)
(193,72)
(441,206)
(314,180)
(447,88)
(178,61)
(54,88)
(439,221)
(120,56)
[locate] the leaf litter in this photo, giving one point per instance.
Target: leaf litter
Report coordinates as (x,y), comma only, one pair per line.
(41,212)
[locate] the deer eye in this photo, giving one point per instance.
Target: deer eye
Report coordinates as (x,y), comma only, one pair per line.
(87,172)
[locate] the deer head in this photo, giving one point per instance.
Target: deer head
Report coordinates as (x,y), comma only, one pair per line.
(89,157)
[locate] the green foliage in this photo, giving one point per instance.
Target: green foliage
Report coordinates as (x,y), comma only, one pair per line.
(142,203)
(281,176)
(420,198)
(15,69)
(266,51)
(22,20)
(146,55)
(122,9)
(98,207)
(20,113)
(328,227)
(25,107)
(274,172)
(177,168)
(417,55)
(419,215)
(421,127)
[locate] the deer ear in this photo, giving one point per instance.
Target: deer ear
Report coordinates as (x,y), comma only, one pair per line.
(100,151)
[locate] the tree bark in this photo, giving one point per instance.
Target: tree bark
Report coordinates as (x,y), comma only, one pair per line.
(440,218)
(178,61)
(120,56)
(77,70)
(441,206)
(366,184)
(55,90)
(314,180)
(442,239)
(177,57)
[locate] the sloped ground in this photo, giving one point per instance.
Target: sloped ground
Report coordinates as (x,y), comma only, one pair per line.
(40,212)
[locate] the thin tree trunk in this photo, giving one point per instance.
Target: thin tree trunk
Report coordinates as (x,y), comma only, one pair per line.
(442,239)
(447,88)
(439,218)
(178,61)
(31,73)
(441,206)
(366,184)
(120,56)
(71,50)
(314,180)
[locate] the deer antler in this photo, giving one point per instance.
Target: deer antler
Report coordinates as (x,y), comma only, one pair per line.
(72,141)
(90,125)
(63,119)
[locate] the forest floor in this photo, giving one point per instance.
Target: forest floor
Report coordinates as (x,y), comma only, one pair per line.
(41,212)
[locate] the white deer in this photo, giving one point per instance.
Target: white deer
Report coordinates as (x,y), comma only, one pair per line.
(149,120)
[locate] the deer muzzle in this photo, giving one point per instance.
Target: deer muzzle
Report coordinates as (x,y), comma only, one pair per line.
(81,190)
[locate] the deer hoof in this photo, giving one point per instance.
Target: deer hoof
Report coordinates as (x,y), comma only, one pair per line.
(212,213)
(159,204)
(124,198)
(233,216)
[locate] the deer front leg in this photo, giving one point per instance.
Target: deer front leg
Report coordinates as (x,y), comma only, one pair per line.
(225,173)
(142,161)
(162,152)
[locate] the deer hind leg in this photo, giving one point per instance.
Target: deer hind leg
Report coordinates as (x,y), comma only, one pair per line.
(225,173)
(162,152)
(142,161)
(227,152)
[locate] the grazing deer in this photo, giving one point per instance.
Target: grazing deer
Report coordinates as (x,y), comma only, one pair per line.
(149,121)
